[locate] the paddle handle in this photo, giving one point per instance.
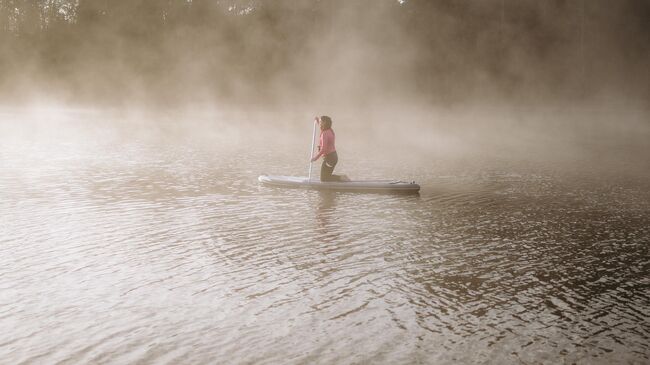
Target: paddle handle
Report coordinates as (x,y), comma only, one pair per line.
(311,152)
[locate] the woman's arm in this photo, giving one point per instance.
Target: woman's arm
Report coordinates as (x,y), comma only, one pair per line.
(320,149)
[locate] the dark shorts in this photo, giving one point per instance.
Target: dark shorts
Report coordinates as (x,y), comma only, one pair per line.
(326,169)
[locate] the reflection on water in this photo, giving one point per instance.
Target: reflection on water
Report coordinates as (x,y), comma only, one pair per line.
(127,250)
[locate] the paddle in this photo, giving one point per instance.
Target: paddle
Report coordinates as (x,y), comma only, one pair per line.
(311,155)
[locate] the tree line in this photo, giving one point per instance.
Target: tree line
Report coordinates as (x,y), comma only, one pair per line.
(439,48)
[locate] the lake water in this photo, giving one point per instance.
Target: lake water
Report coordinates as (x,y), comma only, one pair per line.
(126,244)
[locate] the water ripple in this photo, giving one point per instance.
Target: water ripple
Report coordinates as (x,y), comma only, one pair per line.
(171,254)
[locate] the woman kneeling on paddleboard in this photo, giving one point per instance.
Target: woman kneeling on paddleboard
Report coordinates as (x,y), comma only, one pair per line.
(327,149)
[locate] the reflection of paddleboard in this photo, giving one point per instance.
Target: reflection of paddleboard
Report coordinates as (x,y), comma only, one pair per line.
(358,185)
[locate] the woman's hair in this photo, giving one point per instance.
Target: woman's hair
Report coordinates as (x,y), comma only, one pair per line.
(325,122)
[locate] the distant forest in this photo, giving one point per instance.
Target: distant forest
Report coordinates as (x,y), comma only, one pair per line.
(364,51)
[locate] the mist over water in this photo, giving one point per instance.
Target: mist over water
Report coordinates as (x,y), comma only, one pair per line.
(133,228)
(325,54)
(147,241)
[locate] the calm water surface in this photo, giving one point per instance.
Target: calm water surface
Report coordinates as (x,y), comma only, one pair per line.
(120,248)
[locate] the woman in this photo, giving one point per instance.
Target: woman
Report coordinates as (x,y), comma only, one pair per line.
(327,149)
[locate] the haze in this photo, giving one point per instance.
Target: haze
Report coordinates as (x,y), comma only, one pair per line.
(475,67)
(133,227)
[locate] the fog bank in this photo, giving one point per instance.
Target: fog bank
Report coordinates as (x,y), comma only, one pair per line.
(324,53)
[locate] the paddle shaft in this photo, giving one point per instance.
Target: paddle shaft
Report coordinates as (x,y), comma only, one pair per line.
(311,154)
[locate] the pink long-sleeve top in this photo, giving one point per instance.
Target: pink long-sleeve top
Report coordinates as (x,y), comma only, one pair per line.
(326,145)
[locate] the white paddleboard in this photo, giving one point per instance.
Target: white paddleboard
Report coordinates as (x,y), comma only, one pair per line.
(354,185)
